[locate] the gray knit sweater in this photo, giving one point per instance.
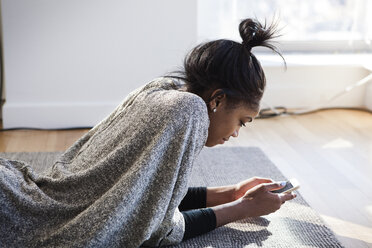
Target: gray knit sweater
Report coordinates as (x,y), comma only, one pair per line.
(117,186)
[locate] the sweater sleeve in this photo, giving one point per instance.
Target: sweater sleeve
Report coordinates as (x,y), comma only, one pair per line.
(198,221)
(196,197)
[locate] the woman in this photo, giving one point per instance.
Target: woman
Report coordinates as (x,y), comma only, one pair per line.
(124,183)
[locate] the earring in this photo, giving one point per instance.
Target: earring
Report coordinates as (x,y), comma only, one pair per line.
(214,110)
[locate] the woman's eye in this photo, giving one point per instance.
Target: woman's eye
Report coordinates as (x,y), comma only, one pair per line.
(242,124)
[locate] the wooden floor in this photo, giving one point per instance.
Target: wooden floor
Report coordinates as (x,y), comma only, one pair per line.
(329,152)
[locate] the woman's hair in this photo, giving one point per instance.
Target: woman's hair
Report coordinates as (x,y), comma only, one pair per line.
(230,66)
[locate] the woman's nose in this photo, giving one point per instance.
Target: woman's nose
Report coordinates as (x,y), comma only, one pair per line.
(236,133)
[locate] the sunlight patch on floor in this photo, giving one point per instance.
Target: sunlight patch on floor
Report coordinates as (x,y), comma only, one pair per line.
(338,143)
(338,226)
(369,210)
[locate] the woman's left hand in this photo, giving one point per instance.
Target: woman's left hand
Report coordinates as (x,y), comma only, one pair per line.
(242,187)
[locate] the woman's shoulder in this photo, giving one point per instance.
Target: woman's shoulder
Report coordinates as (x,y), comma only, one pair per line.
(166,100)
(186,100)
(170,93)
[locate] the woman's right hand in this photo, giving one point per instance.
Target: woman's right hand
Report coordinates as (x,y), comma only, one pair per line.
(260,201)
(255,202)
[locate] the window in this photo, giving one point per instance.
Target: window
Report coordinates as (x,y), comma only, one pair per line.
(306,26)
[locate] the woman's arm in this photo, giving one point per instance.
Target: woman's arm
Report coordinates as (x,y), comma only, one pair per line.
(224,194)
(220,195)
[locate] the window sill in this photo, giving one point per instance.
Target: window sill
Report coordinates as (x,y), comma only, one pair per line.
(351,60)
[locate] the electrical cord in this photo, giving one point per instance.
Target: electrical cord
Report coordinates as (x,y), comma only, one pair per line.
(282,111)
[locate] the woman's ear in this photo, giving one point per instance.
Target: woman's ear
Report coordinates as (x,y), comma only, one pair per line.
(218,95)
(216,98)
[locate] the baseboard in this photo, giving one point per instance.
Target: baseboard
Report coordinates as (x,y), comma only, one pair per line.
(55,115)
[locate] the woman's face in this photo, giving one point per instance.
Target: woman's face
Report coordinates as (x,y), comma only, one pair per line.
(226,122)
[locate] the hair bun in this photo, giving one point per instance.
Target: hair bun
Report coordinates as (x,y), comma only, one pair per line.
(253,33)
(248,29)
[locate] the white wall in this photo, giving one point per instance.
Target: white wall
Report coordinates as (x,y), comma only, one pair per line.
(70,62)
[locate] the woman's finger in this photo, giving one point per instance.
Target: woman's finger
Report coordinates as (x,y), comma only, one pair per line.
(286,197)
(263,180)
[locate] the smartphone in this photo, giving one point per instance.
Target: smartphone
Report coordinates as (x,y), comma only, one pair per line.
(290,186)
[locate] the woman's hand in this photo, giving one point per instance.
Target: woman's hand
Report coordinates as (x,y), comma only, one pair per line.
(260,201)
(257,201)
(242,187)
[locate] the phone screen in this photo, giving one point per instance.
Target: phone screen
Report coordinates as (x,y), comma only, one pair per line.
(285,188)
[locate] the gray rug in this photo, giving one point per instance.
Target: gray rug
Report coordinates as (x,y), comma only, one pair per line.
(296,224)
